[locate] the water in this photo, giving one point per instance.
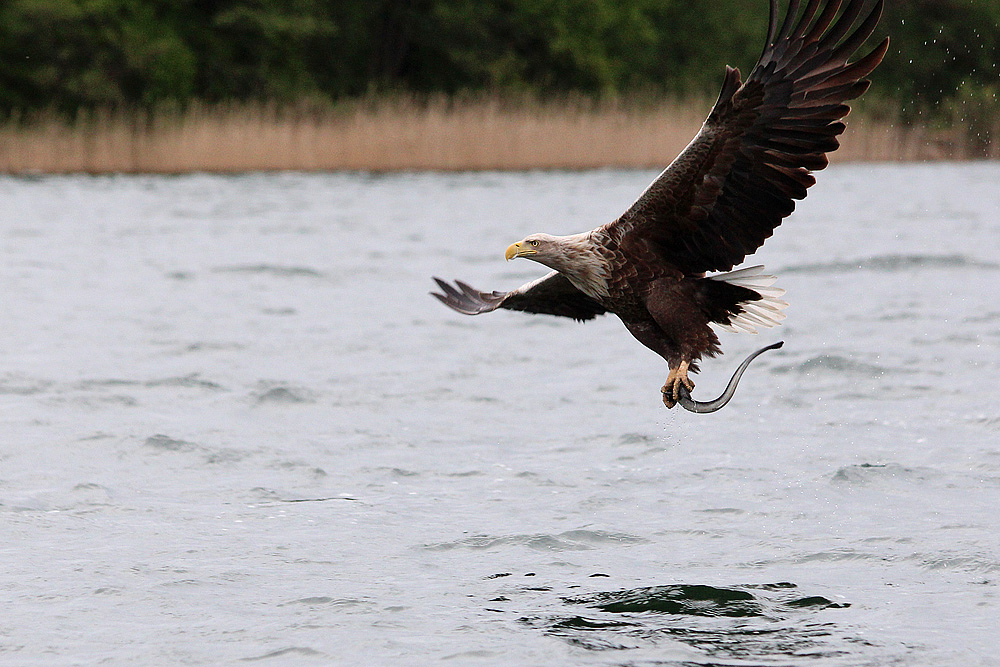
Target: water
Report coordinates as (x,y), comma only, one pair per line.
(235,429)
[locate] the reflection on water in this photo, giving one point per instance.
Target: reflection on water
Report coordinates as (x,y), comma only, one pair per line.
(237,428)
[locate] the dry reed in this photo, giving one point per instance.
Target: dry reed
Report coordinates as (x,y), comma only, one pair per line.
(389,135)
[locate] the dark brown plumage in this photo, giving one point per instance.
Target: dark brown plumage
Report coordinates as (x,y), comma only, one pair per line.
(716,203)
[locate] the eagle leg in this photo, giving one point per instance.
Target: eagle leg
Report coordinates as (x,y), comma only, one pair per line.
(672,389)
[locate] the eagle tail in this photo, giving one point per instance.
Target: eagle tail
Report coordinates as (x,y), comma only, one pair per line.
(762,308)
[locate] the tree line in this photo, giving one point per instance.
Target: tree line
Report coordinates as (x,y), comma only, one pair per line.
(72,55)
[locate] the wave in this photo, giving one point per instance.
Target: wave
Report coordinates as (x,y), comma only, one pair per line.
(571,540)
(891,263)
(282,394)
(837,364)
(271,269)
(866,473)
(747,623)
(700,600)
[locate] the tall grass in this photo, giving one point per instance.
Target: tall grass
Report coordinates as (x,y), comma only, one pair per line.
(401,134)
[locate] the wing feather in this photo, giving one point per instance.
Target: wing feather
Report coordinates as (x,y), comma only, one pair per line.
(552,294)
(731,187)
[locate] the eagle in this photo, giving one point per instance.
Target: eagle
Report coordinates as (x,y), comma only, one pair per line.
(665,267)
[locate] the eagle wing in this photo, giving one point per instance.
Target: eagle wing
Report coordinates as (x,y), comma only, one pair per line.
(724,195)
(552,294)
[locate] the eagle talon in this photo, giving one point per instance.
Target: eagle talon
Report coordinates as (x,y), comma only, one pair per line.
(677,378)
(667,398)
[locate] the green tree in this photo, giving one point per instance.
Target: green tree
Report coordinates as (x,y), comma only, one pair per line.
(255,49)
(87,54)
(70,54)
(941,52)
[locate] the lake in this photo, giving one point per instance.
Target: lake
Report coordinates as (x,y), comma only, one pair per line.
(237,429)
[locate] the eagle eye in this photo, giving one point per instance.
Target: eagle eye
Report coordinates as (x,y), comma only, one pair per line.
(533,242)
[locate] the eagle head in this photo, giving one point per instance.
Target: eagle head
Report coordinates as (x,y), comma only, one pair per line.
(538,247)
(578,257)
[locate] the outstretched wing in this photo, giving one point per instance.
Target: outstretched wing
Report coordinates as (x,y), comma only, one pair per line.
(553,294)
(731,187)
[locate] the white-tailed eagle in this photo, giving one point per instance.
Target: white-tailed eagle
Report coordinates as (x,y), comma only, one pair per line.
(716,203)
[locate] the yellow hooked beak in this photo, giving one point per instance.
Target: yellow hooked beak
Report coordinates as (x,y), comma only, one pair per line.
(519,249)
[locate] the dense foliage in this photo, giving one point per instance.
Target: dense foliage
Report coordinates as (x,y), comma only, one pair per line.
(86,54)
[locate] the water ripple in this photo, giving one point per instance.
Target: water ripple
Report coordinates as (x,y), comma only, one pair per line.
(271,270)
(166,443)
(23,386)
(866,473)
(889,263)
(285,653)
(282,395)
(572,540)
(838,364)
(754,624)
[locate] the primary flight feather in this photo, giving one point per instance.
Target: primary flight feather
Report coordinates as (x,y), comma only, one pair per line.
(716,203)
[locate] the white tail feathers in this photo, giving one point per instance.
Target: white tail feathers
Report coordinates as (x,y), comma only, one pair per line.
(765,312)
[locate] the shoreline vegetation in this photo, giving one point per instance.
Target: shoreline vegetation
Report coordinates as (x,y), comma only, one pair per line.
(159,86)
(402,134)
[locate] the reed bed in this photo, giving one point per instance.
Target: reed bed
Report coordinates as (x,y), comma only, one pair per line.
(391,135)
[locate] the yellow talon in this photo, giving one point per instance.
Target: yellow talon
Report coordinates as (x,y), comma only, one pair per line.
(672,389)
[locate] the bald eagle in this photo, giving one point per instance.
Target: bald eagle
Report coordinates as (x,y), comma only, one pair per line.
(716,203)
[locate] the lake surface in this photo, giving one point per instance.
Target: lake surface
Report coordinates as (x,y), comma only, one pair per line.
(235,429)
